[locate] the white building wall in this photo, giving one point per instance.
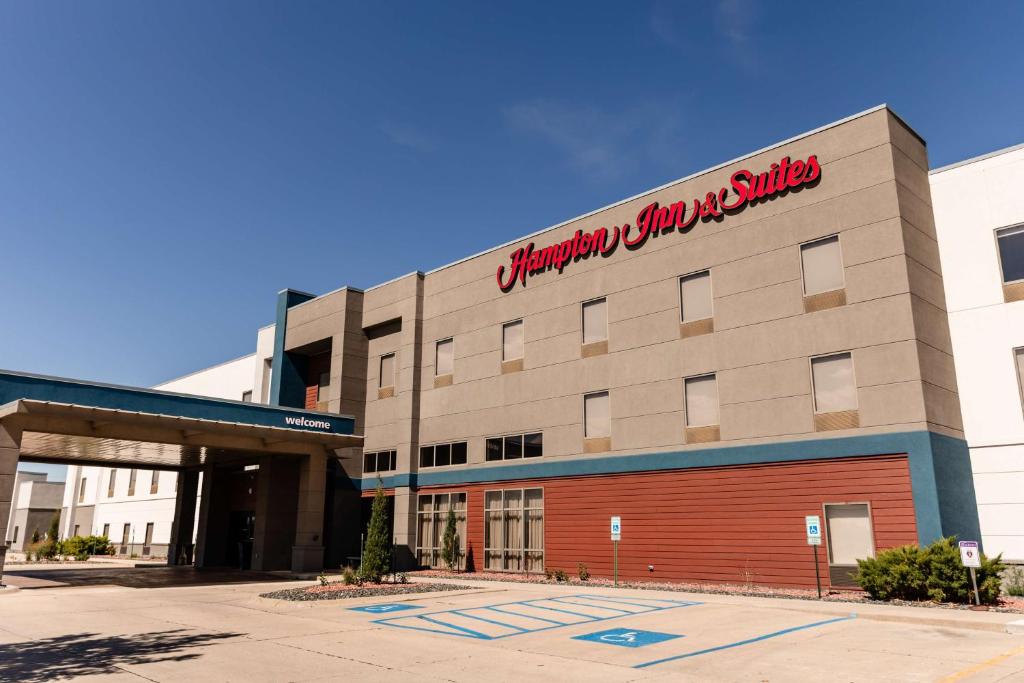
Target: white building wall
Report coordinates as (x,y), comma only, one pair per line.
(228,380)
(971,201)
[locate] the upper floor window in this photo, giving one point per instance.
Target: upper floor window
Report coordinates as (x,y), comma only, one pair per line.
(695,296)
(443,454)
(1011,252)
(512,340)
(701,401)
(381,461)
(822,265)
(833,383)
(110,483)
(387,371)
(132,476)
(515,446)
(444,358)
(154,482)
(597,422)
(81,490)
(247,396)
(595,321)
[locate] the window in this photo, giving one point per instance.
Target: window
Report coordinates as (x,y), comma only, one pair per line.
(380,461)
(431,518)
(695,297)
(323,388)
(1011,252)
(848,527)
(444,359)
(265,387)
(595,321)
(149,538)
(81,489)
(387,371)
(443,454)
(822,264)
(106,531)
(15,539)
(110,483)
(154,482)
(247,396)
(512,340)
(515,446)
(597,416)
(132,476)
(75,532)
(701,399)
(514,530)
(126,532)
(834,386)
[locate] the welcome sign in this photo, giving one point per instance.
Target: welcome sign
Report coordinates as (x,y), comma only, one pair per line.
(745,188)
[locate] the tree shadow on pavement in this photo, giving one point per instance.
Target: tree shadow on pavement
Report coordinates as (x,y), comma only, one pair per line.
(85,654)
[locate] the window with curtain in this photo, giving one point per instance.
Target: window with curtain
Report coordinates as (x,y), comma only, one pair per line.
(695,296)
(512,340)
(834,385)
(387,371)
(514,530)
(1011,252)
(701,398)
(822,263)
(597,421)
(432,516)
(444,359)
(595,321)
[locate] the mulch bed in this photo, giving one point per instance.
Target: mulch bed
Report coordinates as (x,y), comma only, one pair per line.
(340,591)
(1006,603)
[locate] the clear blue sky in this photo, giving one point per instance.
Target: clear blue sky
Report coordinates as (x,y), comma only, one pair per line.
(165,168)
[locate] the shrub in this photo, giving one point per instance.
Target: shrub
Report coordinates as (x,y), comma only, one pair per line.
(549,574)
(931,573)
(583,572)
(401,578)
(377,555)
(561,576)
(323,579)
(350,578)
(450,542)
(1013,581)
(85,545)
(35,537)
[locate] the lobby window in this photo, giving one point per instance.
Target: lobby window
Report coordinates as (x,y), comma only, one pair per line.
(442,454)
(821,263)
(154,482)
(444,362)
(597,422)
(835,392)
(515,447)
(380,461)
(132,476)
(431,518)
(81,490)
(111,482)
(247,396)
(512,346)
(595,327)
(700,403)
(1010,242)
(695,306)
(514,530)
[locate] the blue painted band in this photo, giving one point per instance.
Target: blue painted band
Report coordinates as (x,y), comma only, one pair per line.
(15,386)
(748,641)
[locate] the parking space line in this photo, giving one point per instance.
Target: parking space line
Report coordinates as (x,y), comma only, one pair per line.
(748,641)
(468,631)
(527,616)
(462,613)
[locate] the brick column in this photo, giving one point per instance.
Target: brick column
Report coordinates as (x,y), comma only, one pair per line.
(308,551)
(180,549)
(10,449)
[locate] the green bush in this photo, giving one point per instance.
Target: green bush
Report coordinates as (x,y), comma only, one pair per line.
(85,546)
(561,576)
(583,572)
(1013,581)
(450,543)
(931,573)
(349,577)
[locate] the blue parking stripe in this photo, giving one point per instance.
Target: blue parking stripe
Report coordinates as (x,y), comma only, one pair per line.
(469,631)
(490,621)
(583,604)
(565,611)
(748,641)
(527,616)
(638,604)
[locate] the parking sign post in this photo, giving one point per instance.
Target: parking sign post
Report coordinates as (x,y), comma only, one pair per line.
(970,557)
(616,537)
(813,525)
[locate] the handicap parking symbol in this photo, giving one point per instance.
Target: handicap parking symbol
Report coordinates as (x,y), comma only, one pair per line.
(384,609)
(626,637)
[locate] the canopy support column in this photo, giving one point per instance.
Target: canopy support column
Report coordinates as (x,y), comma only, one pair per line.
(10,449)
(181,549)
(308,551)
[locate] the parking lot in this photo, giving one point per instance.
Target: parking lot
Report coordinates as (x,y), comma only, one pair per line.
(496,632)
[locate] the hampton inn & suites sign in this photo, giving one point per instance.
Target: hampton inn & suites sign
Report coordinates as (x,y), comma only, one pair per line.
(744,188)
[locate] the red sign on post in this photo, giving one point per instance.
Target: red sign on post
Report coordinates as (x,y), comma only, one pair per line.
(744,188)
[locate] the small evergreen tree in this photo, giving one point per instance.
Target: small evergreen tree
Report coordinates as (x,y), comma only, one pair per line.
(377,553)
(54,532)
(35,537)
(450,546)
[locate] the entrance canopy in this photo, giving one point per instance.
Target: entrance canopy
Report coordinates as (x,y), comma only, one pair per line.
(73,422)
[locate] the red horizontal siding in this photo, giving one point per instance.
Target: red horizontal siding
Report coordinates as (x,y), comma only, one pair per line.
(717,524)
